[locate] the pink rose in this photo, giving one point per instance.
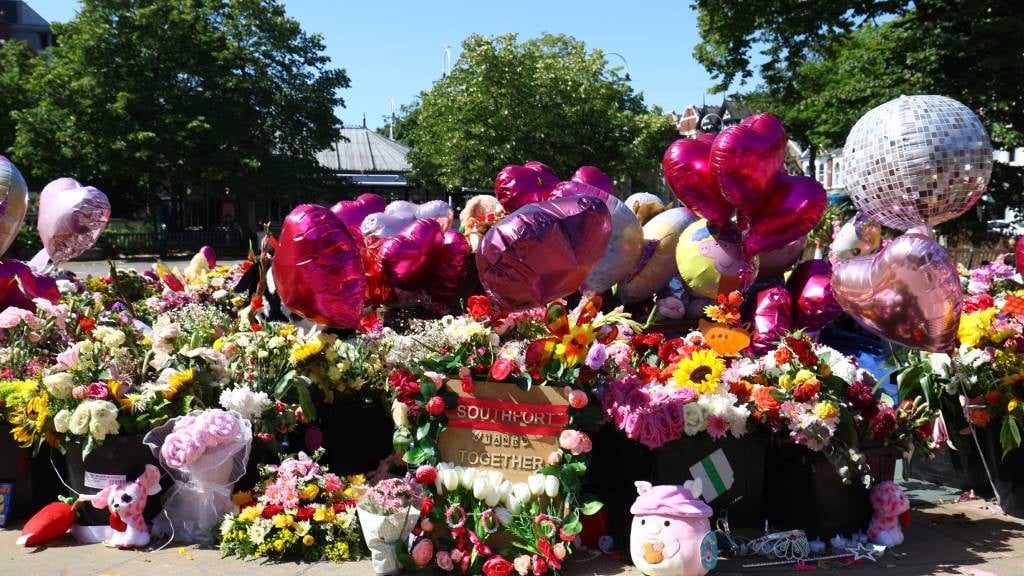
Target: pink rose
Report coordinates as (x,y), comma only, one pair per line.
(554,458)
(97,390)
(423,552)
(79,392)
(559,551)
(574,441)
(444,561)
(219,424)
(522,564)
(179,450)
(332,483)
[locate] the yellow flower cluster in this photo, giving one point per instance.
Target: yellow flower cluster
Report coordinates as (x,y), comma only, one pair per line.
(338,552)
(306,350)
(974,326)
(309,492)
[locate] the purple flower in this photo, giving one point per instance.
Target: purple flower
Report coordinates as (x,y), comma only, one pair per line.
(596,356)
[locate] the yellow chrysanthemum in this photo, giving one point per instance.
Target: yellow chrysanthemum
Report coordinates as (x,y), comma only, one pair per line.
(826,410)
(575,345)
(974,326)
(250,514)
(283,521)
(308,540)
(309,492)
(702,371)
(304,351)
(278,546)
(177,381)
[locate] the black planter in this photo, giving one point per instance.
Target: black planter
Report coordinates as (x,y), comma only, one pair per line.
(807,493)
(119,458)
(616,463)
(261,454)
(1007,471)
(33,479)
(357,435)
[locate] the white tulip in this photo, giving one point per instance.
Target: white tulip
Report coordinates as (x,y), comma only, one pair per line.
(451,479)
(468,476)
(481,487)
(493,496)
(514,504)
(536,482)
(551,486)
(522,492)
(505,488)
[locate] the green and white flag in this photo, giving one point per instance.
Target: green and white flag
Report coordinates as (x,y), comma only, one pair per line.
(715,475)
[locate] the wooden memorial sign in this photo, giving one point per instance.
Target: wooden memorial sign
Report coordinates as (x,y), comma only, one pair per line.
(502,427)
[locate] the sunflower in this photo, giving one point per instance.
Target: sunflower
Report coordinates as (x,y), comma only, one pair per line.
(702,371)
(177,381)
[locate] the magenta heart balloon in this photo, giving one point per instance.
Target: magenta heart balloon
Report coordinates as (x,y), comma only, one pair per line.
(71,218)
(793,209)
(773,317)
(13,203)
(687,167)
(746,158)
(19,286)
(408,258)
(352,212)
(908,293)
(318,269)
(543,251)
(776,262)
(517,186)
(595,177)
(810,288)
(452,266)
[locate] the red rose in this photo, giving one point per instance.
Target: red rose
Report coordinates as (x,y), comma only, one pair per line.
(497,566)
(501,368)
(978,302)
(426,506)
(426,474)
(435,406)
(649,373)
(479,307)
(342,506)
(647,341)
(671,351)
(305,513)
(272,510)
(806,391)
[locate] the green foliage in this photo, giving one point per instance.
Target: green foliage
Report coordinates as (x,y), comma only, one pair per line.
(547,99)
(17,64)
(165,95)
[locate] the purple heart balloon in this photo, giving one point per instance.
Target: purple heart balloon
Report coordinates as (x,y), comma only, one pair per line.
(773,317)
(810,287)
(71,218)
(352,212)
(13,203)
(595,177)
(408,259)
(318,268)
(517,186)
(793,209)
(909,293)
(543,251)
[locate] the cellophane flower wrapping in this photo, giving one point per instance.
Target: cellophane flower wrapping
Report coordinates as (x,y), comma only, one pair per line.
(205,453)
(382,533)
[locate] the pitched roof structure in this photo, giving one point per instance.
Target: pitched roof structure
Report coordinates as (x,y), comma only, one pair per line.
(363,151)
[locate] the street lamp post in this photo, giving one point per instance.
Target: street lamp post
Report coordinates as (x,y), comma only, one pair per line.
(624,63)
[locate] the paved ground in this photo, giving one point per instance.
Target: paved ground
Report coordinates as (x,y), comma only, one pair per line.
(101,268)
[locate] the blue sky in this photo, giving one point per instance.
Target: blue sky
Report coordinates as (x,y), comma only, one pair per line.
(393,50)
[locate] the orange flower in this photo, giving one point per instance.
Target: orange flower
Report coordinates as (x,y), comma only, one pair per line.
(766,403)
(741,389)
(783,355)
(977,413)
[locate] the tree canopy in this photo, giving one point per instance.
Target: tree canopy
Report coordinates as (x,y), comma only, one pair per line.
(546,99)
(17,64)
(148,95)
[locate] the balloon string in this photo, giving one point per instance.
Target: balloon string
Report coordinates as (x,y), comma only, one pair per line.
(981,453)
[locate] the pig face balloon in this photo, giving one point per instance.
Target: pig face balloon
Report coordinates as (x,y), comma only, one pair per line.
(671,534)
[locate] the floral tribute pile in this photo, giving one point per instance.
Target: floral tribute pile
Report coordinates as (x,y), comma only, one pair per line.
(301,512)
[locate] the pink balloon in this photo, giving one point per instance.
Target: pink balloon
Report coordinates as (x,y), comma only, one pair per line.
(352,212)
(13,203)
(438,210)
(517,186)
(595,177)
(810,287)
(71,218)
(908,293)
(408,258)
(776,262)
(210,255)
(687,167)
(1019,255)
(452,266)
(793,209)
(746,158)
(773,317)
(19,285)
(402,208)
(543,251)
(318,268)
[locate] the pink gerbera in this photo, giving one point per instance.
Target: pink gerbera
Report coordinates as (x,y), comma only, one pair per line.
(717,426)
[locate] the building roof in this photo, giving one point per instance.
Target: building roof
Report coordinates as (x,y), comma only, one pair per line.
(18,12)
(363,151)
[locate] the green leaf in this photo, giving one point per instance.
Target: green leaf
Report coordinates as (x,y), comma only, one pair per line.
(283,383)
(1009,434)
(305,400)
(591,507)
(423,431)
(427,388)
(417,455)
(908,382)
(887,400)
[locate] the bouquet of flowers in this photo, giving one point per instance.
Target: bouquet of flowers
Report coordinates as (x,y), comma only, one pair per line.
(387,514)
(206,453)
(304,512)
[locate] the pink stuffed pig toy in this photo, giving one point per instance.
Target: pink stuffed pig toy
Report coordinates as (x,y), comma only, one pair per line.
(888,502)
(126,503)
(671,534)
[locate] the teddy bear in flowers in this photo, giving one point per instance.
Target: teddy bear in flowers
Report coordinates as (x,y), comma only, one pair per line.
(889,503)
(126,503)
(671,533)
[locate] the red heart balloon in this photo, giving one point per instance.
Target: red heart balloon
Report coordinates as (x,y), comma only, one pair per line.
(794,207)
(595,177)
(451,267)
(408,259)
(687,167)
(517,186)
(746,158)
(543,251)
(810,287)
(909,293)
(352,212)
(318,269)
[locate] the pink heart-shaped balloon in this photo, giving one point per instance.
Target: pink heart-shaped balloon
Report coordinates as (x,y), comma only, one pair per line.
(408,258)
(543,251)
(318,269)
(810,288)
(71,218)
(908,293)
(773,317)
(352,212)
(746,158)
(595,177)
(1019,255)
(687,167)
(13,203)
(452,265)
(517,186)
(793,209)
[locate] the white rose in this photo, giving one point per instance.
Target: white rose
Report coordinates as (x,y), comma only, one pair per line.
(102,411)
(940,364)
(79,422)
(61,421)
(695,418)
(59,385)
(400,414)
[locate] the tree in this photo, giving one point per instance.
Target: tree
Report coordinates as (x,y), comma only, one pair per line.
(17,64)
(162,95)
(545,99)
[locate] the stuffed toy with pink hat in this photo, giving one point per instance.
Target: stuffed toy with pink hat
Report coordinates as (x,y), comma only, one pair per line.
(671,533)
